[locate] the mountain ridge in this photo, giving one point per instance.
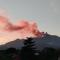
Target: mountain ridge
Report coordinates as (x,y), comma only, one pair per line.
(46,41)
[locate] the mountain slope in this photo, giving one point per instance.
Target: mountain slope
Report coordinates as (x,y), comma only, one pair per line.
(46,41)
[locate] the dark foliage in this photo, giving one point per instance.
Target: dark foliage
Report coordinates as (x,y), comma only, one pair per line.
(29,52)
(49,54)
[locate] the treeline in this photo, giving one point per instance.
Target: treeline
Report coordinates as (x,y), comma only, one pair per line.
(29,52)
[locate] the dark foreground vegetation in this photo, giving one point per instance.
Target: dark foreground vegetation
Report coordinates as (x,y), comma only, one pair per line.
(29,52)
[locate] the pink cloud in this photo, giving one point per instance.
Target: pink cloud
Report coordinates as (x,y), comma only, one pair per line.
(21,29)
(22,25)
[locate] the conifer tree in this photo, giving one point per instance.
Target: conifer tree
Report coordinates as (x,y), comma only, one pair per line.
(27,52)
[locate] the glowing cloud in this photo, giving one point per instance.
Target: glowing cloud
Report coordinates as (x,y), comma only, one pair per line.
(21,30)
(4,24)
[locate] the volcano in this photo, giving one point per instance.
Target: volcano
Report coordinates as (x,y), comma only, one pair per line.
(13,35)
(48,40)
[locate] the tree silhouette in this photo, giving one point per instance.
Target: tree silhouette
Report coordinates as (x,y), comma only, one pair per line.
(11,50)
(10,53)
(27,52)
(49,54)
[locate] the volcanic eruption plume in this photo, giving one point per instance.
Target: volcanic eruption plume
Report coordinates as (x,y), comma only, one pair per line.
(21,30)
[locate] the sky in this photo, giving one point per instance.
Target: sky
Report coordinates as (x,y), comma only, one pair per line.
(46,13)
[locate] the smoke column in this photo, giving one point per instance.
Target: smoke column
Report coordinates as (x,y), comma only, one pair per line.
(21,30)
